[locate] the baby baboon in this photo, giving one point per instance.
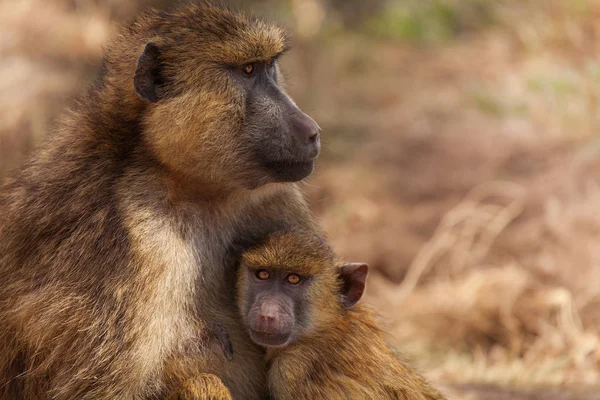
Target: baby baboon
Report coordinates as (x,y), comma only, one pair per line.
(299,302)
(116,238)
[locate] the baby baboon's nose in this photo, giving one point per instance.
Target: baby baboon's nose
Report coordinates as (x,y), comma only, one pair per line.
(268,313)
(267,318)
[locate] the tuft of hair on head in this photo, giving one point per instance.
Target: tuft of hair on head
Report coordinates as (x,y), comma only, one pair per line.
(298,251)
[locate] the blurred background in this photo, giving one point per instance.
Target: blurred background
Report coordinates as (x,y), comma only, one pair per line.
(461,160)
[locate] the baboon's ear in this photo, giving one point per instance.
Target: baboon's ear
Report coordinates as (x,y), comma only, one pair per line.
(148,73)
(354,279)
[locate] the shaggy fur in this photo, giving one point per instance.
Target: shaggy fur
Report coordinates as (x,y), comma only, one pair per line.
(203,386)
(116,239)
(341,353)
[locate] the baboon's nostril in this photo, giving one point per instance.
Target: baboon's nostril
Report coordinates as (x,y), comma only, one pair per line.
(306,129)
(266,318)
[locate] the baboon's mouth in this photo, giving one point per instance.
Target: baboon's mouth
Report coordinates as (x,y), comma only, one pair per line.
(269,339)
(290,171)
(290,164)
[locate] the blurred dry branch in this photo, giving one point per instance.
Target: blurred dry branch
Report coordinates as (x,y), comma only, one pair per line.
(466,232)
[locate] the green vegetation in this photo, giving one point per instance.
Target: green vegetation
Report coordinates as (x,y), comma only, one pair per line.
(430,21)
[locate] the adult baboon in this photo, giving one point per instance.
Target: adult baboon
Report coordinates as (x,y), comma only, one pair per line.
(115,238)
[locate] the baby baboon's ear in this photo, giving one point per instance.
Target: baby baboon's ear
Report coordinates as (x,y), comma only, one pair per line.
(354,278)
(148,73)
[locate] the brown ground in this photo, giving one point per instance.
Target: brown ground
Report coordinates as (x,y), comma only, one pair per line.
(464,168)
(489,392)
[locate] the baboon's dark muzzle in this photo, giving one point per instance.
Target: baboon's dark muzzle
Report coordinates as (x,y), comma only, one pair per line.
(304,131)
(289,139)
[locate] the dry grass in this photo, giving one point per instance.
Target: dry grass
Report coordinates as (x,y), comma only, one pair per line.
(48,51)
(464,170)
(503,324)
(471,187)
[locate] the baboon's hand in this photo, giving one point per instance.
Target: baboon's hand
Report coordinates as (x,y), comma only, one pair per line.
(202,387)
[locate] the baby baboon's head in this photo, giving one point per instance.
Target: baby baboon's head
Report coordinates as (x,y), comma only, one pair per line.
(292,286)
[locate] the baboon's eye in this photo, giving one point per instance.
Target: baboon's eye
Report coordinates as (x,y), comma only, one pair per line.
(293,279)
(263,274)
(248,69)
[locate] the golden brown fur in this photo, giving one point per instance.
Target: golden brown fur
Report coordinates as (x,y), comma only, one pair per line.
(341,353)
(202,387)
(116,239)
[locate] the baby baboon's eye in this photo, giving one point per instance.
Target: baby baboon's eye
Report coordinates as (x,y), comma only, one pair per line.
(263,274)
(293,279)
(248,69)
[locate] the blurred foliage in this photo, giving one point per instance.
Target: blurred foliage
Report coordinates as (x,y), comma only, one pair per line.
(353,13)
(493,105)
(430,21)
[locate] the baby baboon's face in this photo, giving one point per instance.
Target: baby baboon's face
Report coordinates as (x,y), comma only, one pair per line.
(218,110)
(275,305)
(292,285)
(277,302)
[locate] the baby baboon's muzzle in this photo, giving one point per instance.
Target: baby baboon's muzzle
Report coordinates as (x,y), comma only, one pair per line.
(271,322)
